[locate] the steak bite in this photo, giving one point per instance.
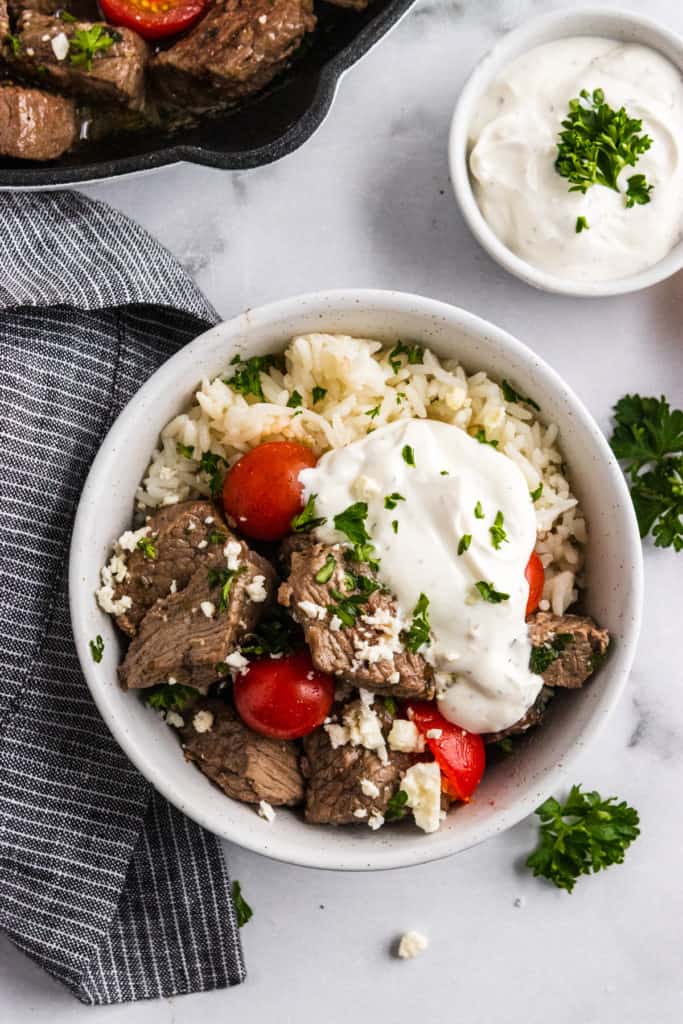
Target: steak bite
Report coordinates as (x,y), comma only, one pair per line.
(568,648)
(235,50)
(246,766)
(367,652)
(4,24)
(109,69)
(85,10)
(182,538)
(192,636)
(35,125)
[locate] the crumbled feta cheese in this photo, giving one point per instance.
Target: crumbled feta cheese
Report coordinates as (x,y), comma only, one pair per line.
(405,736)
(173,589)
(203,721)
(119,569)
(191,526)
(335,622)
(411,945)
(128,541)
(364,487)
(208,609)
(172,680)
(360,812)
(368,788)
(203,544)
(266,811)
(60,46)
(395,678)
(256,590)
(422,785)
(232,552)
(237,661)
(312,610)
(174,719)
(262,19)
(105,599)
(434,734)
(376,820)
(209,520)
(338,734)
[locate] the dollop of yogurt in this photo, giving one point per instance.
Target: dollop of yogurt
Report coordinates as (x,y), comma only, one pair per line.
(513,145)
(457,488)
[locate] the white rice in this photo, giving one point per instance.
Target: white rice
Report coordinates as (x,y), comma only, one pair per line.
(359,378)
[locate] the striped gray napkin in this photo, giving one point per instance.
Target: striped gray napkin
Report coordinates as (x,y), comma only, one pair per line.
(102,882)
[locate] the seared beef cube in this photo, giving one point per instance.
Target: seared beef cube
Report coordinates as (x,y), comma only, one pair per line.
(49,52)
(246,766)
(183,536)
(4,24)
(534,716)
(189,636)
(369,653)
(348,785)
(84,10)
(235,50)
(577,643)
(35,125)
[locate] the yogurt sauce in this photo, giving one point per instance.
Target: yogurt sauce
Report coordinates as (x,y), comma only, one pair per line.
(513,145)
(480,651)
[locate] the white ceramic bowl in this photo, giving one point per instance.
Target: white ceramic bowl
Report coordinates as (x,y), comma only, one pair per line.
(511,790)
(622,25)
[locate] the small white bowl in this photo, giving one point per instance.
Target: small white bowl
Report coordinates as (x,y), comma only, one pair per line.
(622,25)
(510,790)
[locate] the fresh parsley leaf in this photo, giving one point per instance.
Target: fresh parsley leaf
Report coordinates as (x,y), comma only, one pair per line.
(396,806)
(318,394)
(276,634)
(246,379)
(294,400)
(306,519)
(400,395)
(243,911)
(148,548)
(648,437)
(408,455)
(347,607)
(497,531)
(583,835)
(67,17)
(210,464)
(464,544)
(483,439)
(505,746)
(418,632)
(392,500)
(543,656)
(216,537)
(478,511)
(222,578)
(582,225)
(97,649)
(325,573)
(165,697)
(597,142)
(373,413)
(490,594)
(351,522)
(638,191)
(536,494)
(394,525)
(186,450)
(510,395)
(87,43)
(414,354)
(14,43)
(444,472)
(390,705)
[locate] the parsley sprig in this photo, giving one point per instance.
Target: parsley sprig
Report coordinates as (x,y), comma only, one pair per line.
(648,437)
(97,649)
(597,142)
(243,911)
(87,43)
(583,835)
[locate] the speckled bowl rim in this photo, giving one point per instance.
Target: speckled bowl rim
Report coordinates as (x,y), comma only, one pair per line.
(324,847)
(602,21)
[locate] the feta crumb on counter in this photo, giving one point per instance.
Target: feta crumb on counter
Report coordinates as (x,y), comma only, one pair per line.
(203,721)
(266,811)
(405,736)
(411,945)
(422,785)
(256,590)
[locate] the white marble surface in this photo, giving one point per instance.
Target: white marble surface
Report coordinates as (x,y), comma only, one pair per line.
(367,202)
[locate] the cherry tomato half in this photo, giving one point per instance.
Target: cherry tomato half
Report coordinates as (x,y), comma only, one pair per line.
(535,576)
(283,698)
(154,19)
(262,493)
(461,755)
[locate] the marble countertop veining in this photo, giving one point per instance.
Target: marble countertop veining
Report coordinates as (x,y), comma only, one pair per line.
(367,202)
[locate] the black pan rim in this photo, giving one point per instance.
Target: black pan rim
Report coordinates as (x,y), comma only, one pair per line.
(292,139)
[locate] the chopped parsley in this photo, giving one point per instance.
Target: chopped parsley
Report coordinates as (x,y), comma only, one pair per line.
(535,495)
(97,649)
(483,439)
(394,525)
(165,697)
(348,606)
(222,578)
(246,380)
(318,394)
(498,534)
(186,450)
(581,225)
(488,592)
(400,395)
(408,455)
(413,353)
(418,632)
(464,544)
(392,500)
(511,395)
(67,17)
(478,511)
(444,472)
(210,464)
(597,142)
(325,573)
(216,537)
(148,548)
(87,43)
(243,911)
(275,634)
(505,746)
(294,400)
(351,522)
(543,656)
(306,519)
(373,413)
(581,836)
(15,44)
(390,705)
(396,806)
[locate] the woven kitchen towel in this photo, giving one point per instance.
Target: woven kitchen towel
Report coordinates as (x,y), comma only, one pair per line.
(102,882)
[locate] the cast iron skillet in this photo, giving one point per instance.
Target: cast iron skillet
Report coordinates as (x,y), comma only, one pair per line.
(261,130)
